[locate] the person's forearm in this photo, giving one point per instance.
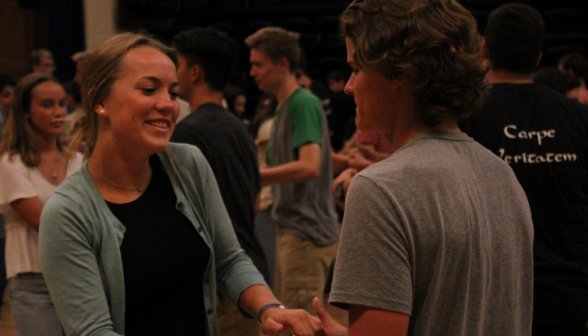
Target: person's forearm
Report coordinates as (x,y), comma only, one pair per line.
(361,164)
(255,297)
(346,180)
(340,162)
(29,209)
(292,172)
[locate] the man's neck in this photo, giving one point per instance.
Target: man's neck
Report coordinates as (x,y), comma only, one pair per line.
(202,94)
(501,76)
(286,89)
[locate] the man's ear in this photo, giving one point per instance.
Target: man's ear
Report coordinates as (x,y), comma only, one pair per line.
(284,64)
(538,59)
(196,74)
(399,82)
(484,50)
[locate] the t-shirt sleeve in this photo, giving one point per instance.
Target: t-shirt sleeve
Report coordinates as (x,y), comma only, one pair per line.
(15,182)
(306,114)
(373,267)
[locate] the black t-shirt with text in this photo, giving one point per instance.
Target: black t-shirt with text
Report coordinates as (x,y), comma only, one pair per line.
(543,136)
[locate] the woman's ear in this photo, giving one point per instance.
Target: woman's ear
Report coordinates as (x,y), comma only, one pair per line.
(99,107)
(100,110)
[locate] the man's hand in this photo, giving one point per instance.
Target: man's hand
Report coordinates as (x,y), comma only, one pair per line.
(330,326)
(358,161)
(276,320)
(370,153)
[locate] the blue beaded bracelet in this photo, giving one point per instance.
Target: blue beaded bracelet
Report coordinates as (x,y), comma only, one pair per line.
(267,306)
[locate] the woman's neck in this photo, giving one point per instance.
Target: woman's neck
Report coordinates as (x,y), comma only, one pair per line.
(46,143)
(118,166)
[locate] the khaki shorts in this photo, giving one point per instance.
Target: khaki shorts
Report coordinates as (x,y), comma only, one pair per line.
(231,322)
(302,269)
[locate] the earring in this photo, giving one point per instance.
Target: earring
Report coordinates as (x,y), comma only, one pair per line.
(102,111)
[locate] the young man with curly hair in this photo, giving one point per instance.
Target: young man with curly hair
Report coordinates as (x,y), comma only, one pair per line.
(437,239)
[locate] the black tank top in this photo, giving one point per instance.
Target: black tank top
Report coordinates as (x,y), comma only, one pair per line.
(164,260)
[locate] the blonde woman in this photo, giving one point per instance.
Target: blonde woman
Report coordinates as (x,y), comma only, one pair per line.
(32,165)
(141,237)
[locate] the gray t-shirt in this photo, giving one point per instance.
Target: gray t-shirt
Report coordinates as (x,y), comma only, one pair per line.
(305,209)
(440,231)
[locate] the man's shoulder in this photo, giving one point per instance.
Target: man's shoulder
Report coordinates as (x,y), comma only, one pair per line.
(207,118)
(301,96)
(203,113)
(535,95)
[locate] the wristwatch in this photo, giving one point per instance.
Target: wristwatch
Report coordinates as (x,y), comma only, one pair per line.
(339,192)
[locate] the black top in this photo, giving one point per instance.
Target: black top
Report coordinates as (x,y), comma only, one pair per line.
(164,260)
(342,111)
(543,136)
(232,155)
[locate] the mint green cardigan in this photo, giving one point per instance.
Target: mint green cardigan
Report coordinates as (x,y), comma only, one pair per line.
(80,240)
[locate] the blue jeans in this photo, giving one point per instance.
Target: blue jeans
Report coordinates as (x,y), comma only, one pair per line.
(32,309)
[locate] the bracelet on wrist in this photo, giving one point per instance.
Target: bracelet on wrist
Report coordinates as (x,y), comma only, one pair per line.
(340,191)
(267,306)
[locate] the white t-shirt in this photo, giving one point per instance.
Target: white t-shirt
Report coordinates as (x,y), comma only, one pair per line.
(17,181)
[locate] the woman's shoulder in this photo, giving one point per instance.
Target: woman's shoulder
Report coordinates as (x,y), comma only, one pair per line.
(188,162)
(75,163)
(74,198)
(12,160)
(185,154)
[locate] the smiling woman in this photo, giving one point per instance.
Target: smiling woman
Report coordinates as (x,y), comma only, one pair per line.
(139,245)
(32,165)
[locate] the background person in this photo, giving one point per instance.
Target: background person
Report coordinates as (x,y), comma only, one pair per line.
(32,165)
(206,60)
(140,236)
(42,61)
(426,232)
(341,110)
(80,59)
(561,82)
(542,136)
(7,84)
(236,99)
(300,171)
(576,64)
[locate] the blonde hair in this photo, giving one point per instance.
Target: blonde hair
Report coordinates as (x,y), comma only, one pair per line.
(98,77)
(81,56)
(19,136)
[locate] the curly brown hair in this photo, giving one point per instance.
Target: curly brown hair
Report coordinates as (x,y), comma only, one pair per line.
(432,43)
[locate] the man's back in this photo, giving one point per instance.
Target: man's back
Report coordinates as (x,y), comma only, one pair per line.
(232,155)
(440,231)
(543,136)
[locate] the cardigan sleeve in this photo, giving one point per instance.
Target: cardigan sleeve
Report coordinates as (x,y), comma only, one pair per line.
(71,269)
